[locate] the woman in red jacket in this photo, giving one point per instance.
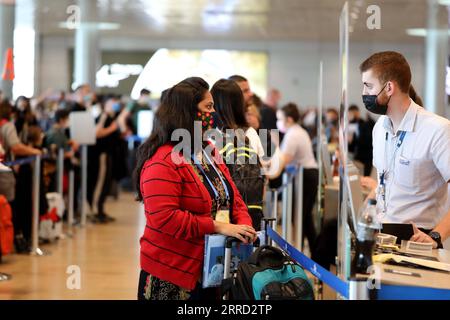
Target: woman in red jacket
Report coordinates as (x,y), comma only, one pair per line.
(182,197)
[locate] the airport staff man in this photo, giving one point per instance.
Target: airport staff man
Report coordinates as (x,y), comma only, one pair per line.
(411,150)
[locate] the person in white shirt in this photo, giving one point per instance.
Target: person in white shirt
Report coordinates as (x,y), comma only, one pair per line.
(296,150)
(411,150)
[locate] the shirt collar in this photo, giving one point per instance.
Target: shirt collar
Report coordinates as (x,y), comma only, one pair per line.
(408,122)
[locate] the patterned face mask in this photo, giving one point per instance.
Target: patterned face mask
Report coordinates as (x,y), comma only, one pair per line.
(206,118)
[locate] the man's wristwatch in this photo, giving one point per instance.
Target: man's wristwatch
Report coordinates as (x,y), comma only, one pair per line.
(437,238)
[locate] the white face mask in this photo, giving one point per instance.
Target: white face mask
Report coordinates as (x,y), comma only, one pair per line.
(281,126)
(144,101)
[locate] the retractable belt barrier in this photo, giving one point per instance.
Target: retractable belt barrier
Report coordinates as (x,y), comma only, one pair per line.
(386,292)
(318,271)
(24,160)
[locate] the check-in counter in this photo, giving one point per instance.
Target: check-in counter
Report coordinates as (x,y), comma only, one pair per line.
(418,277)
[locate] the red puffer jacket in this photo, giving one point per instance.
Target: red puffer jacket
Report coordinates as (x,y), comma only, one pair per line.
(178,213)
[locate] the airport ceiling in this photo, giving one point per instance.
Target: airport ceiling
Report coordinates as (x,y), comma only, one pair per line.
(314,20)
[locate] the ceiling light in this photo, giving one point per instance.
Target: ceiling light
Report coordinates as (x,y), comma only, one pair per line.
(420,32)
(97,25)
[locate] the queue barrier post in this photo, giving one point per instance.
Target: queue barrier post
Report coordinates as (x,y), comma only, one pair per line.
(299,198)
(35,250)
(60,171)
(71,203)
(284,211)
(83,185)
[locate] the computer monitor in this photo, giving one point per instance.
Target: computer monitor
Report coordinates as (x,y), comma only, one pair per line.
(355,194)
(82,127)
(326,162)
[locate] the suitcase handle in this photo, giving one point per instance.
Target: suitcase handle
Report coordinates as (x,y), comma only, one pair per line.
(267,223)
(230,240)
(227,257)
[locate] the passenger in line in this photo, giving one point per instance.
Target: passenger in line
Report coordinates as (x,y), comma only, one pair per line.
(183,198)
(240,146)
(296,150)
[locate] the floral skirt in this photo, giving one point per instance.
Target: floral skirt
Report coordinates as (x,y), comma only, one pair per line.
(153,288)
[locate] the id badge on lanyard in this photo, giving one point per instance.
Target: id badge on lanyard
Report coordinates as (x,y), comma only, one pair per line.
(223,212)
(223,215)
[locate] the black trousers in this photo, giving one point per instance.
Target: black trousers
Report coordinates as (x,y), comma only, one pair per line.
(99,179)
(22,204)
(310,185)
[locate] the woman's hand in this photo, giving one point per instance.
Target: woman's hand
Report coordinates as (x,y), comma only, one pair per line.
(244,233)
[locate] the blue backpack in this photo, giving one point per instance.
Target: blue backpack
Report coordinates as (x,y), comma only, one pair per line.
(269,274)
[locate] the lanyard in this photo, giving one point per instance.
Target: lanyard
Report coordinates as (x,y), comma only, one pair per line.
(388,166)
(397,147)
(216,193)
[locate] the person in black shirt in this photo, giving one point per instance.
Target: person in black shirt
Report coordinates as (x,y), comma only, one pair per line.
(24,118)
(269,110)
(100,159)
(360,143)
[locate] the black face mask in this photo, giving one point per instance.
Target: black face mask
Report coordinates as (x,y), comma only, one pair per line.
(372,105)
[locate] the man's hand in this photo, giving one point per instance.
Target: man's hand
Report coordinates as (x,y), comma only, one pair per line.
(369,183)
(420,236)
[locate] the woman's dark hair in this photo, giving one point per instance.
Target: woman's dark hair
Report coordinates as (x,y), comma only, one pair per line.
(5,110)
(177,111)
(291,110)
(237,78)
(229,104)
(414,96)
(34,136)
(61,114)
(257,101)
(23,116)
(27,101)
